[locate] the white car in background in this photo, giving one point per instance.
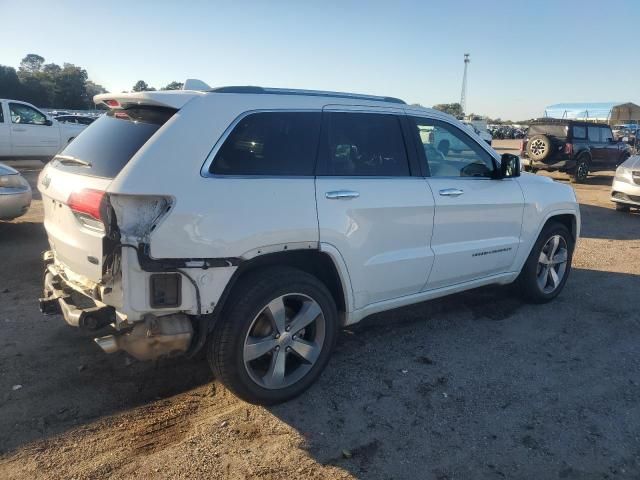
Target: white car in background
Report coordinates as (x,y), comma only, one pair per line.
(259,221)
(15,193)
(625,190)
(26,132)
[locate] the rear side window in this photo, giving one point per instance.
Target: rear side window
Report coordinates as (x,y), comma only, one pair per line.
(594,134)
(364,144)
(270,143)
(579,132)
(107,145)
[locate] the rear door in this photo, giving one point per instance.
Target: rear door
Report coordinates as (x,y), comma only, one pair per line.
(5,133)
(476,231)
(599,151)
(370,206)
(85,169)
(31,133)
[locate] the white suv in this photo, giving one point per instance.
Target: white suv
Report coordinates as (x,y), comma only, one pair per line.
(259,221)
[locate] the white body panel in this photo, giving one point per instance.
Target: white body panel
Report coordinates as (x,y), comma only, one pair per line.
(398,242)
(28,140)
(477,233)
(383,235)
(627,182)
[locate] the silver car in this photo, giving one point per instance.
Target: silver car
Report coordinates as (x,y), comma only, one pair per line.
(625,191)
(15,193)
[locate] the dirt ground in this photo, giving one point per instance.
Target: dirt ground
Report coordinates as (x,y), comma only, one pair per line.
(477,385)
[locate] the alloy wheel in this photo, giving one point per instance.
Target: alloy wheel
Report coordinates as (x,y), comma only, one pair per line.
(284,341)
(552,264)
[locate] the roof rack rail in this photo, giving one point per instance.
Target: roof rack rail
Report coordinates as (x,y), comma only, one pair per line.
(309,93)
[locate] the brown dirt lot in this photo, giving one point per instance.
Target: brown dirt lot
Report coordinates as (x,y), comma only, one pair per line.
(477,385)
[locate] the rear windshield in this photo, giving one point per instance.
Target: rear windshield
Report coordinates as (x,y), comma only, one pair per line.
(107,145)
(552,130)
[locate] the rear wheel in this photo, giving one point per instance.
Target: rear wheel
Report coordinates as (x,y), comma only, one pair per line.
(275,336)
(546,270)
(581,172)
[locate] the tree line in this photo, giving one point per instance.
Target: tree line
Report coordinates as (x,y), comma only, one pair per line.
(48,85)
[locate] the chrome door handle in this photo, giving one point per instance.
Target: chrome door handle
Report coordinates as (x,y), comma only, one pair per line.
(451,192)
(341,194)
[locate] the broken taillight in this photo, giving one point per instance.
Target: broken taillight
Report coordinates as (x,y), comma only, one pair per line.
(88,203)
(112,103)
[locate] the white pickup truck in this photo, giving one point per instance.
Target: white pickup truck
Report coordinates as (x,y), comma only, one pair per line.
(26,132)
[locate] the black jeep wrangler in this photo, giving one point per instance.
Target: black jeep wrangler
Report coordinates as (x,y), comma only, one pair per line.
(572,146)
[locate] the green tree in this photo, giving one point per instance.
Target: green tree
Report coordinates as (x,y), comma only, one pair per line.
(141,86)
(174,86)
(10,85)
(31,64)
(451,108)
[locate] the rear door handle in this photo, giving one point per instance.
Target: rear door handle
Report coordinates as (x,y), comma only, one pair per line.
(341,194)
(451,192)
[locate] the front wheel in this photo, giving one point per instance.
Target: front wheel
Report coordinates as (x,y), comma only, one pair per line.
(275,336)
(546,270)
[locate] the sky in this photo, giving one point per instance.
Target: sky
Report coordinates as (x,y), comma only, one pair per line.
(524,54)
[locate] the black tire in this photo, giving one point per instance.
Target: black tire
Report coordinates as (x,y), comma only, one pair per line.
(539,147)
(581,171)
(527,282)
(621,207)
(248,299)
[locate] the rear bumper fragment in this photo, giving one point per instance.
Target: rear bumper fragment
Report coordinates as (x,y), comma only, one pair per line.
(78,310)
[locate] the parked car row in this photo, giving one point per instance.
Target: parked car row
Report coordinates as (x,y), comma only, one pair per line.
(506,132)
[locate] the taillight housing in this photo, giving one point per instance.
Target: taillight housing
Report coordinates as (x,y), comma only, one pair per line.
(568,148)
(89,207)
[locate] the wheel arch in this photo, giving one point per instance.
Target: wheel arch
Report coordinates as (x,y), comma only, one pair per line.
(313,261)
(569,220)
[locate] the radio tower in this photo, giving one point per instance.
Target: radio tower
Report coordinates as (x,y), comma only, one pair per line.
(463,95)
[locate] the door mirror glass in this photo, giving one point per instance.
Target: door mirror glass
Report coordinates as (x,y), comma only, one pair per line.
(509,166)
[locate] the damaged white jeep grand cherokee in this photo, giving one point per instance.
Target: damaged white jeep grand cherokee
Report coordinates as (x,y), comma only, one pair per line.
(256,222)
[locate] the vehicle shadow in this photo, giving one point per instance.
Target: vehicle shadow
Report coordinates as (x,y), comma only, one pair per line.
(468,385)
(481,385)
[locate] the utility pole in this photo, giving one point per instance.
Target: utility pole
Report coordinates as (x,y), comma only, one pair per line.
(463,95)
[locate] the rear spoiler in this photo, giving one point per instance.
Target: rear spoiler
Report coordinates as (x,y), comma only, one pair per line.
(170,98)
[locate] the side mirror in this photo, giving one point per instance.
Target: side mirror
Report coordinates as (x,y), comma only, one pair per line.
(509,166)
(48,122)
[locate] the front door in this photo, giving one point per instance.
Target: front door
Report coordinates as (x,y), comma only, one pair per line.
(477,221)
(31,135)
(370,207)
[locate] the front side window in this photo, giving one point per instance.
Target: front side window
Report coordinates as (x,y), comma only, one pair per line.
(450,152)
(1,114)
(24,114)
(270,143)
(579,132)
(364,144)
(594,134)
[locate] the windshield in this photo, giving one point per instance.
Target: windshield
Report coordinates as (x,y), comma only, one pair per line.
(107,145)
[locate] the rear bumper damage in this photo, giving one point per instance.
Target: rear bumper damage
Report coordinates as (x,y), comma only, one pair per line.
(151,338)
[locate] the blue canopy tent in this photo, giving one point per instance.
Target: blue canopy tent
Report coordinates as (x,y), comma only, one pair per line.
(612,112)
